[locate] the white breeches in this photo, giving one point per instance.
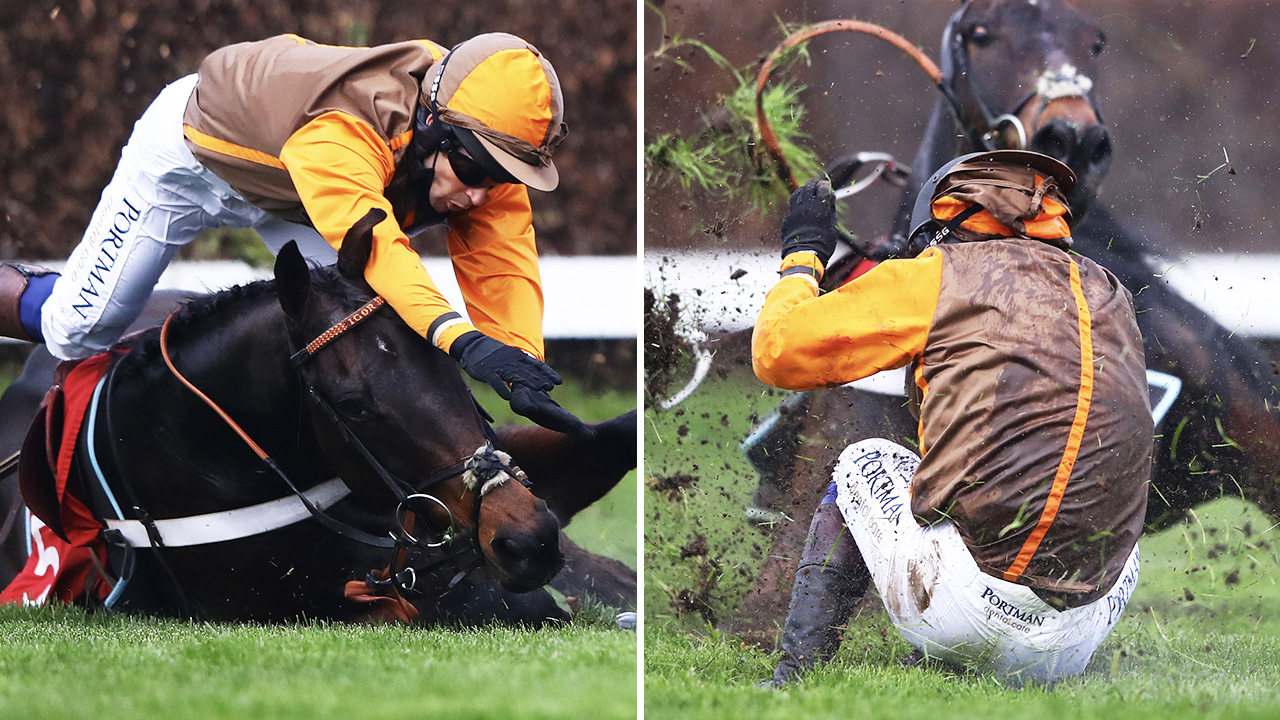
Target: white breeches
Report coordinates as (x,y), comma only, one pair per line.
(159,199)
(938,598)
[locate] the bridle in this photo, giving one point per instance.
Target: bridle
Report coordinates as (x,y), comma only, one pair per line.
(483,471)
(985,131)
(982,132)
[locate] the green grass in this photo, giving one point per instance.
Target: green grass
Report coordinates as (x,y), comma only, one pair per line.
(699,440)
(1201,637)
(59,663)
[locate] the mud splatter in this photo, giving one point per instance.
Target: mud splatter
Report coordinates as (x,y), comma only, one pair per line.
(699,601)
(662,346)
(673,485)
(696,547)
(919,592)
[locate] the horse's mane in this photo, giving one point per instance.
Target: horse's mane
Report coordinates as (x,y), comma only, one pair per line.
(142,349)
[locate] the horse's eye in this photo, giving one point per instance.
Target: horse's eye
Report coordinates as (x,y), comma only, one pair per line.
(980,36)
(353,409)
(1099,42)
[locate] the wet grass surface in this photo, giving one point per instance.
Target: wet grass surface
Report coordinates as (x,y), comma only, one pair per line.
(58,662)
(1201,637)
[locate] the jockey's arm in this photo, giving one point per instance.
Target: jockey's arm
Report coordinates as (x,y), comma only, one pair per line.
(496,263)
(879,321)
(341,167)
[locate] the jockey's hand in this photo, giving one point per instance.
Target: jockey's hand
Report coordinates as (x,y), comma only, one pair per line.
(538,406)
(519,378)
(810,225)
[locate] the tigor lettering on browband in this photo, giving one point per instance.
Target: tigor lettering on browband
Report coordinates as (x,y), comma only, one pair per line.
(343,325)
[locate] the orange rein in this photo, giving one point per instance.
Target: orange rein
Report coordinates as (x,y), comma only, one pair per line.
(767,135)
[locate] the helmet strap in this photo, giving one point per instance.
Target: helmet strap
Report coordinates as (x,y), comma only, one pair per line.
(916,245)
(429,139)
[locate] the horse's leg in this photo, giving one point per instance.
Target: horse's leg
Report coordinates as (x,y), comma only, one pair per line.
(771,450)
(570,473)
(1223,433)
(1252,422)
(1222,436)
(587,574)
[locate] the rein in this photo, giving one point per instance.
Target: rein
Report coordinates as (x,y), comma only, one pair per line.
(982,132)
(485,470)
(767,136)
(328,521)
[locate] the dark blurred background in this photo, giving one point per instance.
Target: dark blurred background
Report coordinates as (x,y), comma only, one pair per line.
(1179,82)
(76,74)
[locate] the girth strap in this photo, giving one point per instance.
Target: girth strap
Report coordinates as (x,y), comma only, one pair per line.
(230,524)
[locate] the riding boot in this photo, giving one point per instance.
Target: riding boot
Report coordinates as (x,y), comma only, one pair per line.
(830,582)
(23,290)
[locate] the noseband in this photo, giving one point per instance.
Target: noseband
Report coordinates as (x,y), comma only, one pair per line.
(1050,85)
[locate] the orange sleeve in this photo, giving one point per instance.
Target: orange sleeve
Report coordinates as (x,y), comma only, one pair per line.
(496,261)
(341,168)
(879,321)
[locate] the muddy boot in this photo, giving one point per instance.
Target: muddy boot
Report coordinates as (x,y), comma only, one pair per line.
(23,290)
(829,584)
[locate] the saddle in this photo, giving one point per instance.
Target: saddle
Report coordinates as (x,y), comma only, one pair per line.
(44,465)
(67,550)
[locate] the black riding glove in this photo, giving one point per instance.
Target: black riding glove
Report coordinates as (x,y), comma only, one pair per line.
(518,378)
(810,225)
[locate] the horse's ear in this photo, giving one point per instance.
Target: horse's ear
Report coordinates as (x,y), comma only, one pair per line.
(357,245)
(293,280)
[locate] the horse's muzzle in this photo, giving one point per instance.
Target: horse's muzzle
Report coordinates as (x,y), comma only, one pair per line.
(1085,149)
(528,560)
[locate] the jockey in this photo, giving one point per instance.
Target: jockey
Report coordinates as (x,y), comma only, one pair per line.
(299,140)
(1009,544)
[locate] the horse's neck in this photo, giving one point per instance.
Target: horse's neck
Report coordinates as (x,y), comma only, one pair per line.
(239,358)
(939,145)
(243,349)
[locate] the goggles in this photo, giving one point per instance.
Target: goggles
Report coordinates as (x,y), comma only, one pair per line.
(468,171)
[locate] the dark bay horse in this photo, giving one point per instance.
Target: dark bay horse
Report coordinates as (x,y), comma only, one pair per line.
(1036,62)
(376,406)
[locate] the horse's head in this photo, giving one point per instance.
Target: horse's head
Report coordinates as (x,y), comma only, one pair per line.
(1024,71)
(394,419)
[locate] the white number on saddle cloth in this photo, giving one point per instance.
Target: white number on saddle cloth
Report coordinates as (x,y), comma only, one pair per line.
(47,559)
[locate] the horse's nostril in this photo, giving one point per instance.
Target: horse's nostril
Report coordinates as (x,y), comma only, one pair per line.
(1097,147)
(509,550)
(1057,140)
(517,549)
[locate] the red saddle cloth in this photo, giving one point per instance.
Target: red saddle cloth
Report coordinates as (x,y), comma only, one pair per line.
(60,566)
